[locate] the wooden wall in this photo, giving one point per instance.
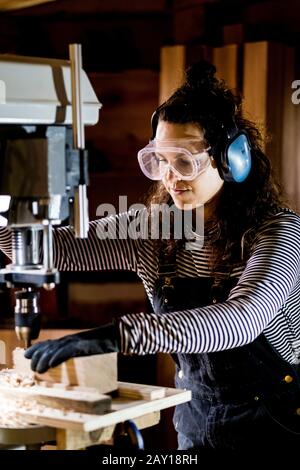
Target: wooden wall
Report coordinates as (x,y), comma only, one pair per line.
(123,128)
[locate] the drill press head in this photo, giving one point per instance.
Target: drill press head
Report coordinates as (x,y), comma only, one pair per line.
(40,170)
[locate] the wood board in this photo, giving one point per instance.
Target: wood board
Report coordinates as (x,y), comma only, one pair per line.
(85,401)
(97,371)
(122,409)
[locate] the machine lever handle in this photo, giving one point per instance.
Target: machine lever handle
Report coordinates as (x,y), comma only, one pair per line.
(81,216)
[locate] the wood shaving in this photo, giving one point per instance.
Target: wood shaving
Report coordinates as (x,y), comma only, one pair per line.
(9,406)
(12,378)
(9,417)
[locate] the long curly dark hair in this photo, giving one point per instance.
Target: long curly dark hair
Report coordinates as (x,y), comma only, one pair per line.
(242,207)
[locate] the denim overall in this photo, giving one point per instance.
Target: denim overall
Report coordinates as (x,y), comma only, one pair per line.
(242,399)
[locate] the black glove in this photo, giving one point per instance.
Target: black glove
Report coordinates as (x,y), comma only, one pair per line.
(51,353)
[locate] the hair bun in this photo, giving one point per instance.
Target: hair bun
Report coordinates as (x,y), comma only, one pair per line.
(199,74)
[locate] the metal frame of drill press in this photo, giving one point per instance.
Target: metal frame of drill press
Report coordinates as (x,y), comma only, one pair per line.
(44,106)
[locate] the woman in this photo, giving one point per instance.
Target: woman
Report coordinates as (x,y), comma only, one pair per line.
(228,310)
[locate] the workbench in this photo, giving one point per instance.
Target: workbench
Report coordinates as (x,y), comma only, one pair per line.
(139,403)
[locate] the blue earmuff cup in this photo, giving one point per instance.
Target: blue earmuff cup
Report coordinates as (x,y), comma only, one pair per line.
(239,158)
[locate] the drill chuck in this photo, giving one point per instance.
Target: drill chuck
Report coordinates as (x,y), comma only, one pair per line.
(27,315)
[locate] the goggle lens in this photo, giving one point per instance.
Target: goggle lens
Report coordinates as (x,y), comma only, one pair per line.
(156,160)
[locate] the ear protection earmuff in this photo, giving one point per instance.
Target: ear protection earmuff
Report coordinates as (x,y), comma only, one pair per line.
(232,153)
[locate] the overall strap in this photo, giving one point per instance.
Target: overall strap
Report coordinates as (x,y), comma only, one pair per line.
(167,266)
(167,271)
(217,288)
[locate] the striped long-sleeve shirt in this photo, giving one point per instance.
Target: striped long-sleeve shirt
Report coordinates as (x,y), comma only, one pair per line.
(265,299)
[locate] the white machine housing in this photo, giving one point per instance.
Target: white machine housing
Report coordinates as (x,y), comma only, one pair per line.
(38,91)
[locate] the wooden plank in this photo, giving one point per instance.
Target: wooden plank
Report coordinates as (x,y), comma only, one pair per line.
(55,418)
(255,81)
(19,4)
(172,65)
(92,7)
(68,439)
(290,139)
(122,409)
(138,391)
(22,434)
(267,71)
(2,353)
(98,371)
(174,60)
(85,402)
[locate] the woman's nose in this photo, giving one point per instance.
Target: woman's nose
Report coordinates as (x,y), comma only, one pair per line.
(169,174)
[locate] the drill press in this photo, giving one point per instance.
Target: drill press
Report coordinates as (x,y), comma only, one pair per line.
(44,105)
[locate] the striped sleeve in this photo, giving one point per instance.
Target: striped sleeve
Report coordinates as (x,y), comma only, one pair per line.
(5,241)
(268,279)
(108,246)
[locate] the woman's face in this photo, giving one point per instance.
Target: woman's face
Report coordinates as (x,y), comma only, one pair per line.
(199,190)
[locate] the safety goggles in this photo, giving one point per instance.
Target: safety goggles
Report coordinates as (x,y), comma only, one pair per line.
(185,158)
